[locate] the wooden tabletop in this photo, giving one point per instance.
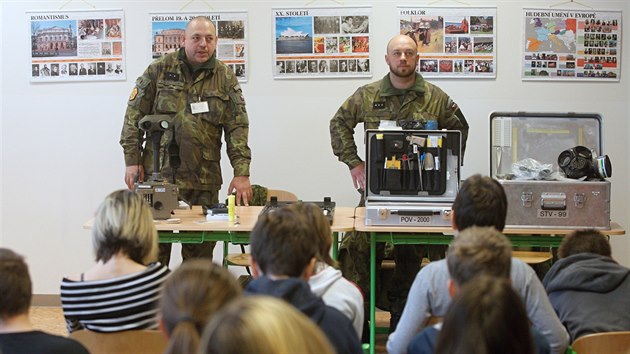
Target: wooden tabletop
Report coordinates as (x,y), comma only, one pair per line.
(194,220)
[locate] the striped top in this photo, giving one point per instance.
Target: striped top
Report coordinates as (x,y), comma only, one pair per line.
(112,305)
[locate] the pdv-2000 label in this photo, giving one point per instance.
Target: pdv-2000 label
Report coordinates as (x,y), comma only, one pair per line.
(415,219)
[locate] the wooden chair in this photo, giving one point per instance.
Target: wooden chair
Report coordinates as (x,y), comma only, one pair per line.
(603,343)
(531,257)
(243,259)
(126,342)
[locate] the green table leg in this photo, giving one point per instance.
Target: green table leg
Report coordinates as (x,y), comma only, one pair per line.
(372,292)
(225,253)
(335,246)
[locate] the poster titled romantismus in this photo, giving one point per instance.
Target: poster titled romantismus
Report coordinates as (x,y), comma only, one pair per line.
(77,45)
(167,34)
(321,42)
(578,45)
(452,41)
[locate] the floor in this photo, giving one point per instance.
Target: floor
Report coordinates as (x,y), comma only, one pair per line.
(50,319)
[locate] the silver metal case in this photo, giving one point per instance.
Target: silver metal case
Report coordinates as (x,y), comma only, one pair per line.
(417,193)
(571,204)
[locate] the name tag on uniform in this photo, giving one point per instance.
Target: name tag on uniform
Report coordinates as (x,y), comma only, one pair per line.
(378,105)
(199,107)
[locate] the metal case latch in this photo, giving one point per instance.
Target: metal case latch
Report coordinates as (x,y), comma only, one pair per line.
(579,199)
(526,199)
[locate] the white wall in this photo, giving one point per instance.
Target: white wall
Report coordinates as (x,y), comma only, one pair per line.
(60,152)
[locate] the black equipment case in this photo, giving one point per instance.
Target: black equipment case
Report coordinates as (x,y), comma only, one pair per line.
(412,176)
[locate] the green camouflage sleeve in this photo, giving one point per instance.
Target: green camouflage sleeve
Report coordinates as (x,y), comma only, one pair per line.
(342,126)
(236,129)
(454,119)
(140,104)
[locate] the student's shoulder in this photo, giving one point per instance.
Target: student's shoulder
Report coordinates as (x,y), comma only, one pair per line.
(45,343)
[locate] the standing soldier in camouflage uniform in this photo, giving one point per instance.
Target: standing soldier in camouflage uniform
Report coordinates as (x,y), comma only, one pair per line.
(402,95)
(205,100)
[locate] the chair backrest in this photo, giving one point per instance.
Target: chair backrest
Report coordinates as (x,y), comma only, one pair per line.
(600,343)
(126,342)
(282,195)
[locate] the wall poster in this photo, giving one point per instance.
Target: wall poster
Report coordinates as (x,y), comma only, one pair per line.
(578,45)
(167,31)
(77,45)
(452,41)
(321,42)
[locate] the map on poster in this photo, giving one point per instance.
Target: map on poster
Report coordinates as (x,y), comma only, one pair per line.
(580,45)
(167,31)
(321,42)
(77,45)
(452,41)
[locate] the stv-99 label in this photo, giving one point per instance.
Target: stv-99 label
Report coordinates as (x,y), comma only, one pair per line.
(552,214)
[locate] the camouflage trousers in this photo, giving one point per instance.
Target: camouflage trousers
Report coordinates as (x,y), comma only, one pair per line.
(192,250)
(354,262)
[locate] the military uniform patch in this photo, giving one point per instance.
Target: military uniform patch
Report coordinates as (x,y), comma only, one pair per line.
(452,105)
(378,105)
(134,94)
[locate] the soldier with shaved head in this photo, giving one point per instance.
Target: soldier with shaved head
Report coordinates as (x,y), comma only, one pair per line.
(401,95)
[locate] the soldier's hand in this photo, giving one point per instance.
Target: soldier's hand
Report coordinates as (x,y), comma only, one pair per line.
(358,176)
(243,190)
(133,174)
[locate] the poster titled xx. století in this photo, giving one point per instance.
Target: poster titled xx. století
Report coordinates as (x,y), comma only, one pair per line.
(321,42)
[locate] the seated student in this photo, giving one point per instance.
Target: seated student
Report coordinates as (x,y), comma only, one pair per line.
(262,325)
(284,253)
(480,251)
(121,291)
(481,201)
(327,282)
(17,335)
(486,316)
(587,288)
(191,295)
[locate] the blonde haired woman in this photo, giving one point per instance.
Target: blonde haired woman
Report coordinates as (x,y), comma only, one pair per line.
(121,291)
(262,325)
(192,294)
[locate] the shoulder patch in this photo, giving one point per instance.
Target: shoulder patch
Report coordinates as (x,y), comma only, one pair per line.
(452,105)
(134,94)
(142,82)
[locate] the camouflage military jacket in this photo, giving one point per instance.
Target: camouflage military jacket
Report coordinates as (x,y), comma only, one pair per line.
(381,101)
(168,87)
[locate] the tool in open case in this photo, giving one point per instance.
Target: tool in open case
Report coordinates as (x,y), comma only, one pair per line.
(417,143)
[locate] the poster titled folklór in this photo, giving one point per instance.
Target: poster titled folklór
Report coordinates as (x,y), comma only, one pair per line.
(452,41)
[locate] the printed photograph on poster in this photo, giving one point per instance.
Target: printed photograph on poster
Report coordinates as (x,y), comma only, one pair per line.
(571,45)
(321,42)
(167,33)
(452,41)
(76,45)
